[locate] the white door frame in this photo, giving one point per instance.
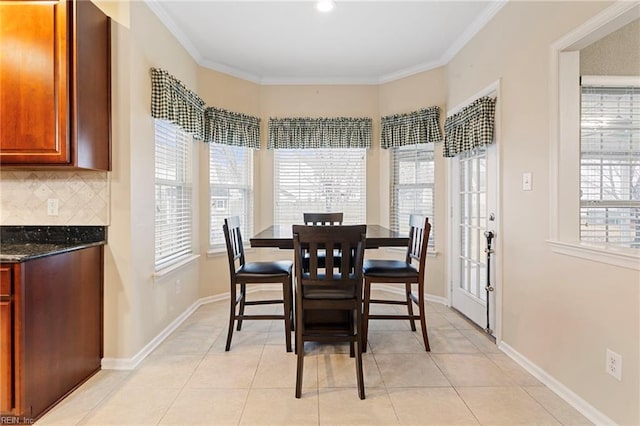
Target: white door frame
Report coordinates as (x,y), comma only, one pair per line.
(497,258)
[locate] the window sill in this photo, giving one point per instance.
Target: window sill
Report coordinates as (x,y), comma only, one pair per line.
(174,266)
(431,252)
(221,251)
(626,258)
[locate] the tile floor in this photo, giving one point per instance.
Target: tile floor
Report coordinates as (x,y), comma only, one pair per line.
(190,380)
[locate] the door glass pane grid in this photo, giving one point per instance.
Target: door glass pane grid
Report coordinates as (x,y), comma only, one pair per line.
(473,196)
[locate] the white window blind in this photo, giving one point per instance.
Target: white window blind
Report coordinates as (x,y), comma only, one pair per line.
(412,182)
(610,165)
(173,221)
(230,189)
(320,180)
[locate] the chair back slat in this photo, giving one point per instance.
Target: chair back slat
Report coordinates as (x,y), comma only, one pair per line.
(233,240)
(323,218)
(419,229)
(315,240)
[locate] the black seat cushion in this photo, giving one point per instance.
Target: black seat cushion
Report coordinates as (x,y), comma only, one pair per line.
(389,268)
(280,267)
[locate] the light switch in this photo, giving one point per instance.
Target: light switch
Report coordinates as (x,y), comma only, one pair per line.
(527,181)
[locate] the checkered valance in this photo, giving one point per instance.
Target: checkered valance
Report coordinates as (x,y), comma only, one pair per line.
(342,132)
(422,126)
(470,127)
(231,128)
(172,101)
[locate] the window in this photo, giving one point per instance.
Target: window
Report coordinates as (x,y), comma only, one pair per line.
(173,219)
(412,181)
(230,189)
(320,180)
(610,165)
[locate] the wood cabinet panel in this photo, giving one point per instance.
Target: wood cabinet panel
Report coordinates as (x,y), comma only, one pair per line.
(6,354)
(57,328)
(55,73)
(34,79)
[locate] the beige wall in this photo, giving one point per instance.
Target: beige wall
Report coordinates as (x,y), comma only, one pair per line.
(410,94)
(616,54)
(559,312)
(137,306)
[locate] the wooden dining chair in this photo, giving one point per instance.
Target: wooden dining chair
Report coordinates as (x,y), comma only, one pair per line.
(323,218)
(329,297)
(243,273)
(401,272)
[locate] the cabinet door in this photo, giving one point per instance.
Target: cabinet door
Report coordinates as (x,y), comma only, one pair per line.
(6,340)
(34,78)
(6,349)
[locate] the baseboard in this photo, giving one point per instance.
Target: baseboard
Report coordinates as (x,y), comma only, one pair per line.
(133,362)
(586,409)
(396,289)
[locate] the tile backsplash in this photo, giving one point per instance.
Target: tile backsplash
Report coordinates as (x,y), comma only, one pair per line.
(82,196)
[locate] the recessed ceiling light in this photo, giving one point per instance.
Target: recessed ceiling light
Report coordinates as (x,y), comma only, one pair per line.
(325,5)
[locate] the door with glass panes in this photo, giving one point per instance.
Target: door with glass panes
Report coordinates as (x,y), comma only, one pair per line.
(473,222)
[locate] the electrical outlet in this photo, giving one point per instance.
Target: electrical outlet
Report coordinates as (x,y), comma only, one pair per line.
(178,286)
(613,364)
(52,207)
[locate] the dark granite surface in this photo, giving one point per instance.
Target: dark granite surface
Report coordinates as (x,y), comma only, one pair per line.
(21,243)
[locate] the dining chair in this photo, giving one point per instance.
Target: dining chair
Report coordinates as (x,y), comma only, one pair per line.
(329,297)
(323,218)
(401,272)
(242,273)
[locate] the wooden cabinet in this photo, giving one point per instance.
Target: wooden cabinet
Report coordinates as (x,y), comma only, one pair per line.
(6,340)
(56,328)
(56,84)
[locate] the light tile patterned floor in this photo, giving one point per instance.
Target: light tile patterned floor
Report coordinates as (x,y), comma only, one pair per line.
(190,380)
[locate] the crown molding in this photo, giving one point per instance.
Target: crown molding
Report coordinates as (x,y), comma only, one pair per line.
(477,25)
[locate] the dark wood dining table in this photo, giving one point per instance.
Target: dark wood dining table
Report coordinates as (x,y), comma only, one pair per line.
(281,236)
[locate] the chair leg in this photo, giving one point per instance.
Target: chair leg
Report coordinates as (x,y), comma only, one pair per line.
(299,351)
(423,317)
(286,294)
(232,314)
(410,305)
(365,314)
(243,297)
(359,369)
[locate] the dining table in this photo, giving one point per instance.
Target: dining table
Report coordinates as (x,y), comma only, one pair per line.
(281,236)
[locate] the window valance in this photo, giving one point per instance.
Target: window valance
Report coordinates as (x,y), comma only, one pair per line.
(342,132)
(470,127)
(231,128)
(172,101)
(422,126)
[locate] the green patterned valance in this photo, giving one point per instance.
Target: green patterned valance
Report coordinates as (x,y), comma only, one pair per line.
(342,132)
(470,127)
(172,101)
(231,128)
(422,126)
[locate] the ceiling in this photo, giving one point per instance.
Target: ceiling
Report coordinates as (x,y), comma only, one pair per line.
(290,42)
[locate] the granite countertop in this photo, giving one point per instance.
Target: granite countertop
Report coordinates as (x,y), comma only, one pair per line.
(22,243)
